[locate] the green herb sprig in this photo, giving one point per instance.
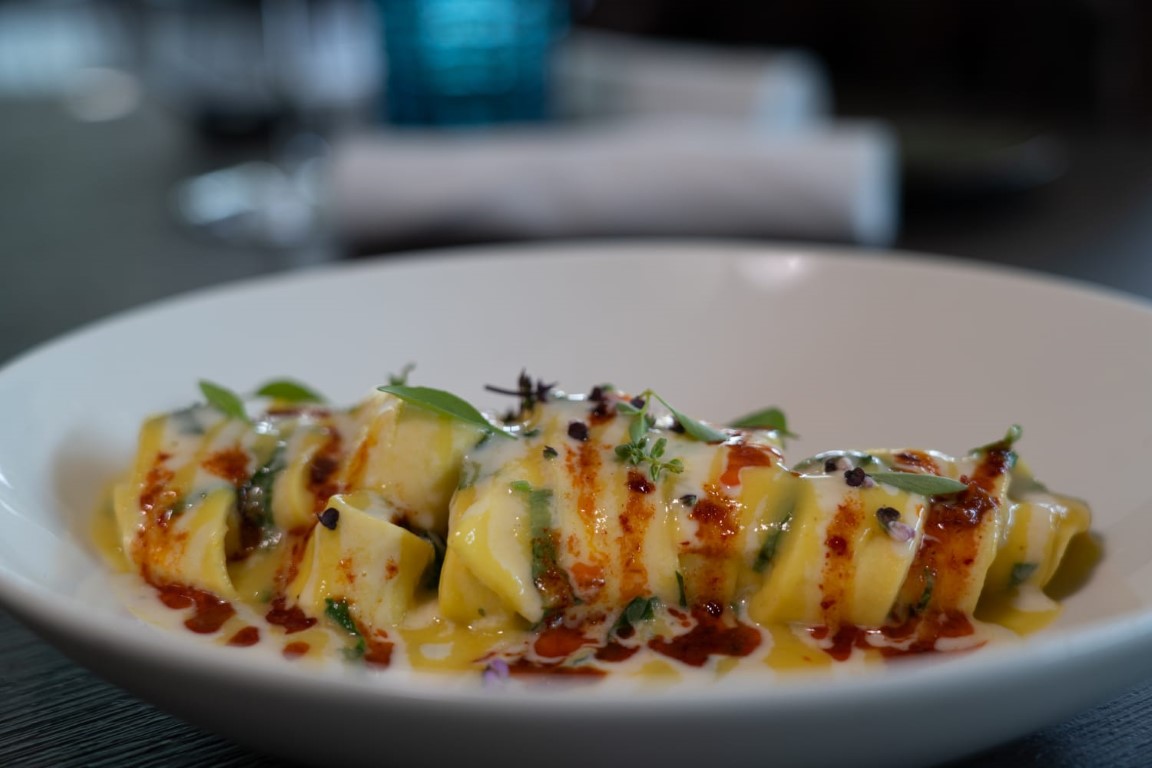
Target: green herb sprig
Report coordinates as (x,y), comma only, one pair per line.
(337,611)
(638,451)
(638,609)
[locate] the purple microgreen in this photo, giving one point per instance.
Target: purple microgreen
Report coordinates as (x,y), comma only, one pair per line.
(890,521)
(495,672)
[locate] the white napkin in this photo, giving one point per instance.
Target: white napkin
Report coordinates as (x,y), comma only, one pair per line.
(605,75)
(648,177)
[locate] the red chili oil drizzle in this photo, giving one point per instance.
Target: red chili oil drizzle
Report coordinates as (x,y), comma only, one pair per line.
(292,619)
(295,650)
(927,630)
(743,455)
(245,637)
(230,464)
(379,649)
(559,642)
(637,483)
(321,471)
(210,612)
(711,636)
(613,652)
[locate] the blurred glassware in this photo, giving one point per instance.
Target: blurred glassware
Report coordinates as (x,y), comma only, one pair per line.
(287,73)
(470,62)
(246,66)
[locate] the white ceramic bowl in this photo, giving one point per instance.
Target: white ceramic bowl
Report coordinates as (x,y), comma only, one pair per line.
(862,349)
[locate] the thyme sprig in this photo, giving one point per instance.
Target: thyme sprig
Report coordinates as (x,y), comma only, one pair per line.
(638,453)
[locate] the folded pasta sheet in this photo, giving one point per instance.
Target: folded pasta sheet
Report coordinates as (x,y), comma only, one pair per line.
(585,527)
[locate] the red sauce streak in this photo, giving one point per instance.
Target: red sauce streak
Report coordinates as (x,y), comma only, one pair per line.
(321,472)
(839,570)
(559,642)
(634,521)
(292,619)
(742,455)
(711,636)
(210,612)
(925,631)
(955,531)
(378,652)
(157,496)
(230,464)
(296,649)
(583,468)
(245,637)
(916,460)
(638,483)
(837,544)
(706,557)
(615,652)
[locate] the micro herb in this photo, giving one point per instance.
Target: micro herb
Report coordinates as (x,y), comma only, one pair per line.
(401,379)
(337,611)
(447,404)
(697,430)
(925,485)
(550,452)
(254,498)
(768,418)
(772,541)
(638,609)
(539,502)
(926,595)
(529,392)
(224,400)
(1014,433)
(680,588)
(289,391)
(637,453)
(889,519)
(1021,572)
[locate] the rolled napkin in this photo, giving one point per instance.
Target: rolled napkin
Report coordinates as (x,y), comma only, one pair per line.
(605,74)
(642,178)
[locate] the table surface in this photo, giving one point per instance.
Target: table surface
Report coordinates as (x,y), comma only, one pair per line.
(86,230)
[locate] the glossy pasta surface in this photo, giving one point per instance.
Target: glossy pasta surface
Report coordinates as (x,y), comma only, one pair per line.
(582,535)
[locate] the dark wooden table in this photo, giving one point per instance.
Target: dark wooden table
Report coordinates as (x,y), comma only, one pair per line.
(86,230)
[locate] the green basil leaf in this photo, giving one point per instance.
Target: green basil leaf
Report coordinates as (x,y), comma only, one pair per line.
(925,485)
(224,400)
(289,391)
(694,429)
(768,418)
(445,403)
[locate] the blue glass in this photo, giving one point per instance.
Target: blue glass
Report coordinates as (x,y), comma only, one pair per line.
(469,62)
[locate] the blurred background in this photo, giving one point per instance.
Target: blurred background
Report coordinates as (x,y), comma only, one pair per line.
(148,147)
